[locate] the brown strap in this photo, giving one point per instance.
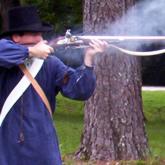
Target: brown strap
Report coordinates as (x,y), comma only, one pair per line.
(36,87)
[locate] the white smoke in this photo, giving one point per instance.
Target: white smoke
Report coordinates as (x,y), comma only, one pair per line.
(145,18)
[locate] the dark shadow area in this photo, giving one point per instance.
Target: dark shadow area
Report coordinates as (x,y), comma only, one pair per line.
(153,67)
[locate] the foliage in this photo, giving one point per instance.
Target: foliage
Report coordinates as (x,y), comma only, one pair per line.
(63,14)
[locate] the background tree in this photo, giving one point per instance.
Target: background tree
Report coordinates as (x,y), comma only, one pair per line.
(5,5)
(63,14)
(114,121)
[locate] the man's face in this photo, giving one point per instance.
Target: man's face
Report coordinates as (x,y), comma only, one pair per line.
(27,38)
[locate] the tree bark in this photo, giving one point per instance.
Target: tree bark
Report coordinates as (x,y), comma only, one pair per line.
(114,126)
(5,6)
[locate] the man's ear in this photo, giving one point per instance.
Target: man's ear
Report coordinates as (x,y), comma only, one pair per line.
(16,38)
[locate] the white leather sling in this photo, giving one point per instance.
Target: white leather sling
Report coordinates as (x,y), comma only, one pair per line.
(20,88)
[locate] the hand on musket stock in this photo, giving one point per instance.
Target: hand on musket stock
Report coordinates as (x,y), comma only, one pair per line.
(96,46)
(40,50)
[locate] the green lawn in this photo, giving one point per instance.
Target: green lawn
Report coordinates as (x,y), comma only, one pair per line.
(69,122)
(154,110)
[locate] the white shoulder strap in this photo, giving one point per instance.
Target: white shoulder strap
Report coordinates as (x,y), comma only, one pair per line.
(20,88)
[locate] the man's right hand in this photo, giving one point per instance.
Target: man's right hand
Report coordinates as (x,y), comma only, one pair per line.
(40,50)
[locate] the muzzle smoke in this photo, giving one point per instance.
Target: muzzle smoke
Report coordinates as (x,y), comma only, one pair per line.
(146,18)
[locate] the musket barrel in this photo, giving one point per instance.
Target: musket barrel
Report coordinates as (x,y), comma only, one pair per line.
(121,38)
(83,41)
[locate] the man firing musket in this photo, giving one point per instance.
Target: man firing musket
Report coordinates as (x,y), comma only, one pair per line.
(27,134)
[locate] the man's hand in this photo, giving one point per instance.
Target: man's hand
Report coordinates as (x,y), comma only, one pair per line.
(97,46)
(40,50)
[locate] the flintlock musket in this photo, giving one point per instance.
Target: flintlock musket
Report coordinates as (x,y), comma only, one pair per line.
(71,41)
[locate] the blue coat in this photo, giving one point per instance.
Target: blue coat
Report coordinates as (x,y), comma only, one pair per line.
(40,145)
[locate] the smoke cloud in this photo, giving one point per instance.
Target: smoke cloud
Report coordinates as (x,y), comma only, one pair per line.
(145,18)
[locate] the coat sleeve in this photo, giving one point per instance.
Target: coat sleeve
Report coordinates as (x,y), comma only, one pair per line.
(12,54)
(80,84)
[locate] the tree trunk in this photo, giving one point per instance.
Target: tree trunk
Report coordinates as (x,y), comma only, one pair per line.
(114,122)
(5,6)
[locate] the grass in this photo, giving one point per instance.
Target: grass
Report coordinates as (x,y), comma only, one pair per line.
(69,124)
(154,110)
(154,105)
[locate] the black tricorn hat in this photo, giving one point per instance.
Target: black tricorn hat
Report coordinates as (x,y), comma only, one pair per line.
(25,19)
